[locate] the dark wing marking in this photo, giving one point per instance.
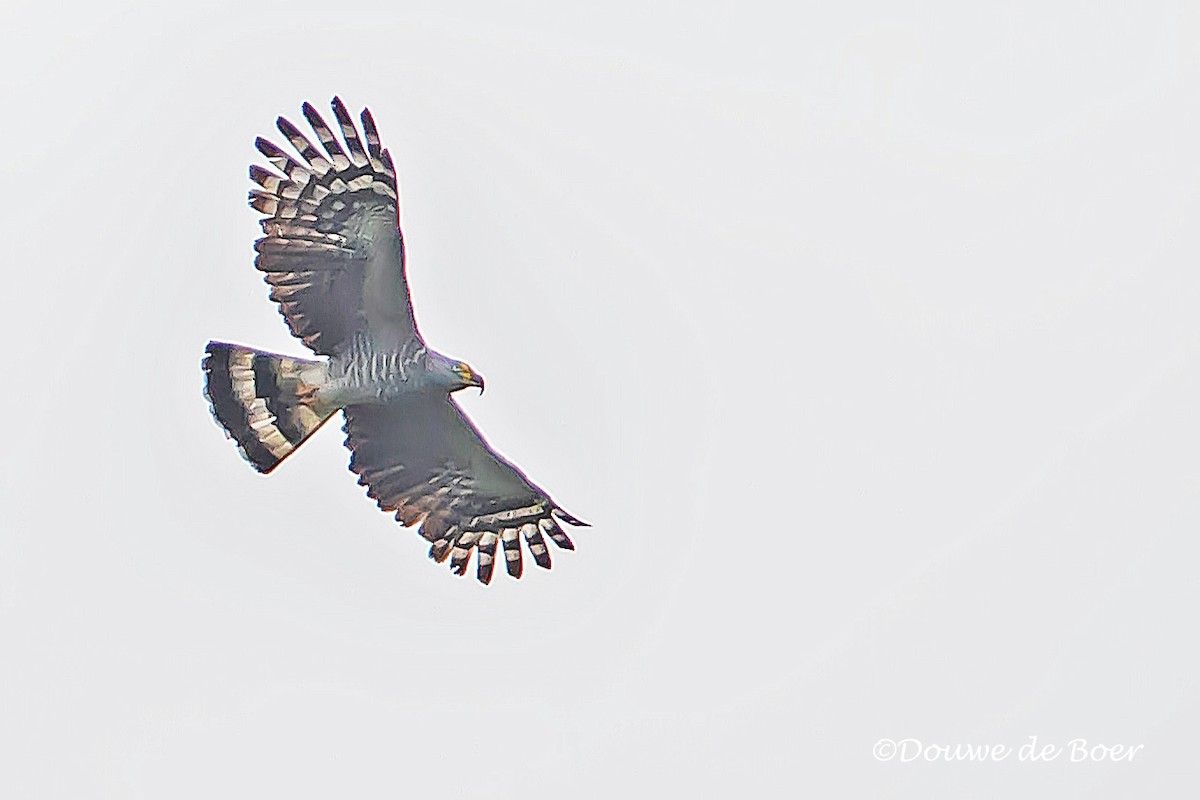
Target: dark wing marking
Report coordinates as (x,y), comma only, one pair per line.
(333,252)
(423,459)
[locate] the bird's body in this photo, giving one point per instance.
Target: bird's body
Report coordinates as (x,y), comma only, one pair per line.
(333,254)
(372,372)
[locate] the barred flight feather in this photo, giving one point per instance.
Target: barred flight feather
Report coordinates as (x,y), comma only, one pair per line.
(537,545)
(350,132)
(487,557)
(328,141)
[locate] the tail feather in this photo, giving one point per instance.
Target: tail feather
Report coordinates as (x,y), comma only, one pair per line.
(267,403)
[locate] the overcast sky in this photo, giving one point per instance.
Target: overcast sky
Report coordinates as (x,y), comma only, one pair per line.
(865,335)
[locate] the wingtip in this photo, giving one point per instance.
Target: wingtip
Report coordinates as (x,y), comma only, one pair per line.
(571,520)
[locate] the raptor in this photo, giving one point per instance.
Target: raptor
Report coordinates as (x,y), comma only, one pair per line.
(333,255)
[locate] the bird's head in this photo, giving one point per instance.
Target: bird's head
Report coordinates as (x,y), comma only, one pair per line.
(455,374)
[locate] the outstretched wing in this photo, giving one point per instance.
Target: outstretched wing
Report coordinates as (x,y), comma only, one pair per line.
(423,459)
(333,252)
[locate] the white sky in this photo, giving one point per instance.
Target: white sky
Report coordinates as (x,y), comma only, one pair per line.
(866,338)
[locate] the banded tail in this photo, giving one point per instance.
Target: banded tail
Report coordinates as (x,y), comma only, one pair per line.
(266,403)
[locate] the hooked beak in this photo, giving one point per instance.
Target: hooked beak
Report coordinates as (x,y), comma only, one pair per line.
(469,377)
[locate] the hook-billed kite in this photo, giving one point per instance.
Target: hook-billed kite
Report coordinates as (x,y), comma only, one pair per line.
(333,255)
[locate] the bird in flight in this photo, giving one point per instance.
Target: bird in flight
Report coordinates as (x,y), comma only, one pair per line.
(333,255)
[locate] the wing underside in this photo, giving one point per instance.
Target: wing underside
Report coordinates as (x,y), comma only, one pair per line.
(333,252)
(423,459)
